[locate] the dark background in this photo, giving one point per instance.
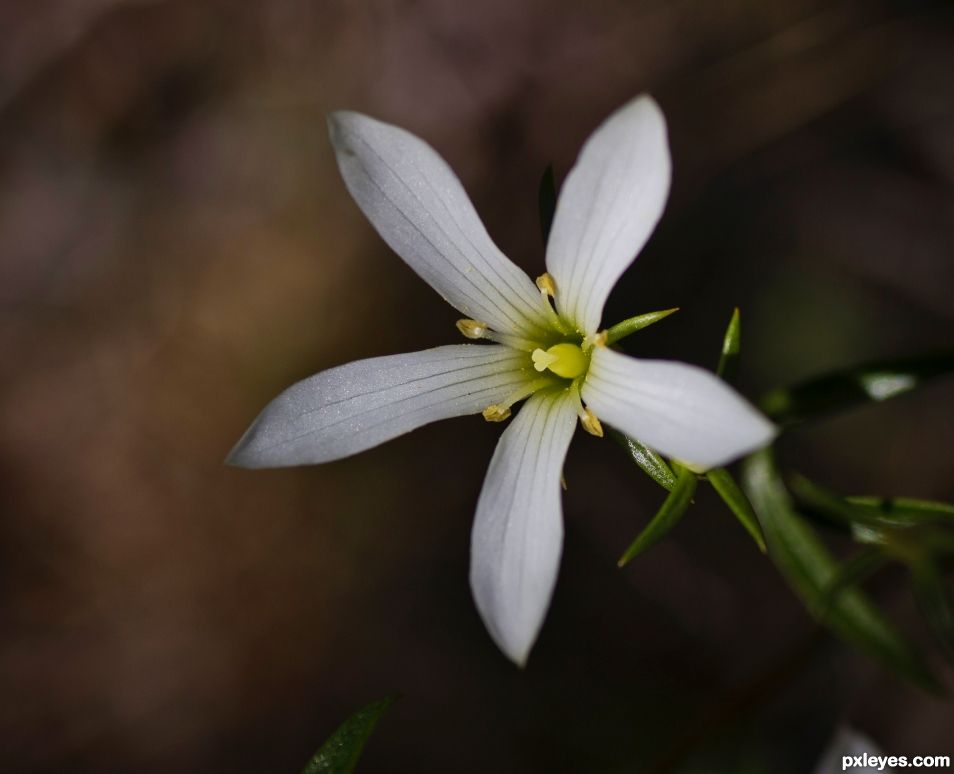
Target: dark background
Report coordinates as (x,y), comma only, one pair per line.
(176,246)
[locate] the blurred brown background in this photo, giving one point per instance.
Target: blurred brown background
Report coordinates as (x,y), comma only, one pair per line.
(176,247)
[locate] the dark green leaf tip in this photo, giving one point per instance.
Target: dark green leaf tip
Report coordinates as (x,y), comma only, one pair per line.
(731,348)
(668,515)
(341,751)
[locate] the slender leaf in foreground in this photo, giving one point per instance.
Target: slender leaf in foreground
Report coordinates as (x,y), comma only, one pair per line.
(840,390)
(738,503)
(668,515)
(341,751)
(731,347)
(651,463)
(810,569)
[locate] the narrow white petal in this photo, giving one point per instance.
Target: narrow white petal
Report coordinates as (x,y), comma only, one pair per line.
(850,743)
(679,410)
(417,204)
(353,407)
(608,207)
(518,531)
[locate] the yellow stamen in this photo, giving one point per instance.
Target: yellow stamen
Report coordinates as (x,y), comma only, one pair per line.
(591,423)
(498,412)
(472,329)
(548,290)
(547,285)
(594,340)
(495,413)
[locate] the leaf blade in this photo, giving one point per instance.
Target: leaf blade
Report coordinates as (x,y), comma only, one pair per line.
(649,461)
(848,388)
(668,515)
(632,324)
(733,496)
(340,752)
(731,348)
(809,569)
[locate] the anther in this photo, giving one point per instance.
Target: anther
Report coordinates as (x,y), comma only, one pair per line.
(546,284)
(591,423)
(472,329)
(495,413)
(594,340)
(548,290)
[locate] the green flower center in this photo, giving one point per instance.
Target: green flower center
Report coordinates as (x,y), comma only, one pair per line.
(566,360)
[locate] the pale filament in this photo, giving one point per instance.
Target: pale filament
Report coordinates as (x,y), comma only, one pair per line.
(498,412)
(474,329)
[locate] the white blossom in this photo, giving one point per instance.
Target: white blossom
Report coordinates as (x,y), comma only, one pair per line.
(542,343)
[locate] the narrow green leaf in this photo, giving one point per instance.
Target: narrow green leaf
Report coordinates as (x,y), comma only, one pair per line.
(668,515)
(809,569)
(623,329)
(341,751)
(819,499)
(731,346)
(908,529)
(651,463)
(546,200)
(934,602)
(840,390)
(848,574)
(905,510)
(738,503)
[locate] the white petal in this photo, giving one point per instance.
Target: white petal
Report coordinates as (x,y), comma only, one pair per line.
(679,410)
(417,204)
(518,531)
(353,407)
(608,207)
(848,742)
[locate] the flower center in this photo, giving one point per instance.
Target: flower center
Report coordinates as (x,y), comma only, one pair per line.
(566,360)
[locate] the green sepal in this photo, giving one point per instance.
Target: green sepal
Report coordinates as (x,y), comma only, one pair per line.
(731,346)
(651,463)
(840,390)
(631,325)
(341,751)
(546,201)
(668,515)
(733,496)
(809,569)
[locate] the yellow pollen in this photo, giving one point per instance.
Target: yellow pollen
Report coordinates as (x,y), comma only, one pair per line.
(566,360)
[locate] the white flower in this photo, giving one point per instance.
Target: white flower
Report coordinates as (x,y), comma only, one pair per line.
(547,349)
